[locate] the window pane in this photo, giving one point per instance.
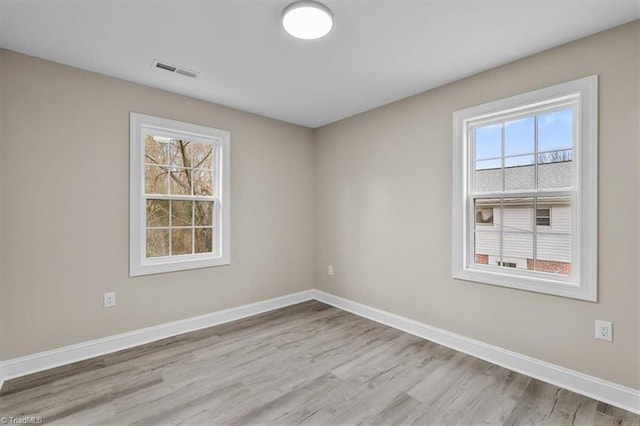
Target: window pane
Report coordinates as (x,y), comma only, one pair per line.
(203,182)
(488,176)
(485,209)
(204,213)
(488,141)
(555,130)
(519,172)
(204,240)
(181,182)
(181,154)
(519,136)
(519,161)
(156,150)
(181,213)
(553,252)
(553,246)
(555,156)
(555,169)
(202,156)
(517,215)
(181,241)
(496,163)
(487,247)
(155,180)
(559,209)
(157,242)
(157,213)
(517,251)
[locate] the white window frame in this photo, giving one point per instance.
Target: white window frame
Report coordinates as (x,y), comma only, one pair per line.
(582,283)
(139,264)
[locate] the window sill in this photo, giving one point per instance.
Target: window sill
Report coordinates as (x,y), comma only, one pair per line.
(173,265)
(556,287)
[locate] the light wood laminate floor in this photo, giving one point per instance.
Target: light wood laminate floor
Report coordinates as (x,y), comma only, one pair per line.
(304,364)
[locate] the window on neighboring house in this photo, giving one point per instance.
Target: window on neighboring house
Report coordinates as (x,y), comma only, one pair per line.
(484,216)
(515,161)
(543,217)
(179,196)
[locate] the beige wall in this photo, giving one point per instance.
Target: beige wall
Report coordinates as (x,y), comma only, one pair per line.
(65,179)
(383,196)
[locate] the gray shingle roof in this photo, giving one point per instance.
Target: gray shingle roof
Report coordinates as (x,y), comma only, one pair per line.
(550,175)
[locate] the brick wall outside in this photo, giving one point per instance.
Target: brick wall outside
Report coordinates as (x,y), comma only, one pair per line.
(550,266)
(541,265)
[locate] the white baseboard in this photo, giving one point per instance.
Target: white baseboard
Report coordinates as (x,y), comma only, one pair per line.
(602,390)
(41,361)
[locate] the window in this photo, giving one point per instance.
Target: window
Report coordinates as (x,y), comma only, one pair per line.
(179,196)
(484,216)
(543,217)
(517,161)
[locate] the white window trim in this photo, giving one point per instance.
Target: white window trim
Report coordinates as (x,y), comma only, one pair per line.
(583,282)
(138,263)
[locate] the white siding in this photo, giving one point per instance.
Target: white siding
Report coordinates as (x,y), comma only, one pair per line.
(515,245)
(560,219)
(488,243)
(553,242)
(518,218)
(554,247)
(518,245)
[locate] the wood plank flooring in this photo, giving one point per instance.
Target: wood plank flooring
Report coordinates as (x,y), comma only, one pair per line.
(305,364)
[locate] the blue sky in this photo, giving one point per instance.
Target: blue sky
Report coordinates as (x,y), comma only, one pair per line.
(555,131)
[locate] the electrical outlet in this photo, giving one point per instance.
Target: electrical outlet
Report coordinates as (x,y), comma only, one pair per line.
(330,270)
(109,299)
(604,330)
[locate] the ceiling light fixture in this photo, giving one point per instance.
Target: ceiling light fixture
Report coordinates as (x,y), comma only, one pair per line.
(307,19)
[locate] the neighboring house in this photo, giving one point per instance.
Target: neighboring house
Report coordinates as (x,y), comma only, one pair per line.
(516,216)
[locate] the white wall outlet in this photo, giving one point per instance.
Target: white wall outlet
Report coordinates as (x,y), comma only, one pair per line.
(109,299)
(604,330)
(330,270)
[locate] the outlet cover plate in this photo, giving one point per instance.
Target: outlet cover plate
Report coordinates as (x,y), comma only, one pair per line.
(109,299)
(604,330)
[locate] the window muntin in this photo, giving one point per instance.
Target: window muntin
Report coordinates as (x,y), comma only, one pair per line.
(529,158)
(179,196)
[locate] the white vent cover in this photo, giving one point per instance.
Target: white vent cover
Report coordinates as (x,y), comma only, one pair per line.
(172,68)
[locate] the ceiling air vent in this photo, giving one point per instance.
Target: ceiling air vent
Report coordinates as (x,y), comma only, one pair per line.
(165,66)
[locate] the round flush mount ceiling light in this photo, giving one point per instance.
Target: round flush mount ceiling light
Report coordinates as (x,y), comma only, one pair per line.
(307,19)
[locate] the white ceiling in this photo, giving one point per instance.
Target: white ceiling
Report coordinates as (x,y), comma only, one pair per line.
(379,51)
